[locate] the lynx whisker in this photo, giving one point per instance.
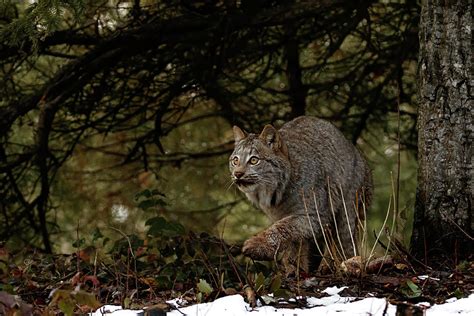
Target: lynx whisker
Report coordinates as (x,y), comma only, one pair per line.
(232,182)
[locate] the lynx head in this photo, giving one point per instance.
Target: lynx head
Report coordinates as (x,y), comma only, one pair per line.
(259,162)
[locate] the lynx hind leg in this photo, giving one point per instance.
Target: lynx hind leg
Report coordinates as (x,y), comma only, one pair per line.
(296,257)
(316,253)
(349,236)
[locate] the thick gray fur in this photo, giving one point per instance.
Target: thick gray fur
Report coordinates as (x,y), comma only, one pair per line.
(296,167)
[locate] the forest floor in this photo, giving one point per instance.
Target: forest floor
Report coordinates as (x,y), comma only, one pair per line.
(82,282)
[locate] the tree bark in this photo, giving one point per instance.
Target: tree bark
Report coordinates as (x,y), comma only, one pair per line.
(443,221)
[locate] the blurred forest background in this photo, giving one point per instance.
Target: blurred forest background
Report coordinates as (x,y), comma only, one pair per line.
(101,100)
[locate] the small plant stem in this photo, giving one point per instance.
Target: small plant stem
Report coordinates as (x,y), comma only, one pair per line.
(397,199)
(232,262)
(348,222)
(78,249)
(208,266)
(312,229)
(365,235)
(326,242)
(335,223)
(380,233)
(362,224)
(392,229)
(298,268)
(129,252)
(95,263)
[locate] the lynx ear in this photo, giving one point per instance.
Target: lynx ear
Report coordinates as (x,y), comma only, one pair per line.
(239,134)
(271,137)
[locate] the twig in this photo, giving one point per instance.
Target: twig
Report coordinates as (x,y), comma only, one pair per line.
(312,229)
(77,248)
(378,235)
(128,262)
(348,222)
(323,232)
(298,268)
(395,212)
(344,257)
(236,269)
(397,200)
(462,230)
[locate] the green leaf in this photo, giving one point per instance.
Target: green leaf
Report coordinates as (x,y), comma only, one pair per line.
(410,289)
(146,204)
(282,293)
(66,306)
(156,192)
(63,299)
(79,242)
(126,302)
(86,298)
(96,234)
(458,293)
(160,226)
(276,284)
(163,282)
(7,288)
(204,287)
(147,193)
(171,259)
(259,282)
(463,266)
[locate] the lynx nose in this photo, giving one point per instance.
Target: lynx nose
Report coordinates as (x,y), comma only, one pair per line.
(238,174)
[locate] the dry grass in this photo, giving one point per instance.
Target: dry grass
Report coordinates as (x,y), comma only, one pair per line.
(334,259)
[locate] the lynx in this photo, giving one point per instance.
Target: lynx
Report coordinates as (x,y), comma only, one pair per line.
(295,175)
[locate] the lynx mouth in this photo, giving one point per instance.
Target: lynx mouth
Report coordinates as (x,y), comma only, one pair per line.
(244,183)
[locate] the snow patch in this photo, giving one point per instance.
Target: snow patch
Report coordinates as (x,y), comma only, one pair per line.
(235,305)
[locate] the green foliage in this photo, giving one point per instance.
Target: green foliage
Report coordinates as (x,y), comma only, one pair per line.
(204,287)
(272,283)
(463,266)
(67,300)
(148,199)
(410,289)
(459,293)
(153,201)
(79,243)
(160,226)
(204,290)
(38,20)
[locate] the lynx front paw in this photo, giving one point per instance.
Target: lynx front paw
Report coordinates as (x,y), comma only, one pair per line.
(258,248)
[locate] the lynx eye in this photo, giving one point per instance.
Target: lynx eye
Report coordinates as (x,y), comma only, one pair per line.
(235,160)
(254,160)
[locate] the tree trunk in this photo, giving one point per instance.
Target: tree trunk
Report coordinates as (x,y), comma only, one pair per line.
(296,89)
(443,222)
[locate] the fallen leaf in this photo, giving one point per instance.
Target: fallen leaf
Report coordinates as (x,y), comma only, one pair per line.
(251,296)
(204,287)
(13,305)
